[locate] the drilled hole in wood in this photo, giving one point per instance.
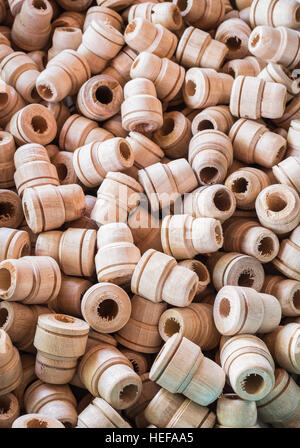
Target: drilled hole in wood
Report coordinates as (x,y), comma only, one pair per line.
(233,43)
(45,92)
(39,124)
(37,423)
(62,171)
(253,384)
(224,307)
(129,393)
(246,278)
(167,127)
(266,246)
(205,124)
(190,88)
(5,279)
(275,202)
(7,210)
(125,150)
(104,95)
(239,185)
(296,299)
(201,272)
(222,200)
(3,316)
(39,4)
(5,404)
(208,174)
(3,99)
(171,326)
(108,309)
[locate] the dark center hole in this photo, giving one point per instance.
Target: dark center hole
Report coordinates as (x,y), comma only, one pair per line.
(39,124)
(224,307)
(208,174)
(5,279)
(167,127)
(5,403)
(201,271)
(45,92)
(125,150)
(296,299)
(37,423)
(239,185)
(3,99)
(222,200)
(246,279)
(190,88)
(3,316)
(233,43)
(275,202)
(205,124)
(62,171)
(6,210)
(104,95)
(129,393)
(266,246)
(39,4)
(253,384)
(171,326)
(108,309)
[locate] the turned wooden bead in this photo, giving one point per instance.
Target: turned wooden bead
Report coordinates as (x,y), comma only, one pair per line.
(60,113)
(169,410)
(70,5)
(278,73)
(234,33)
(292,113)
(246,184)
(249,366)
(293,138)
(248,237)
(249,66)
(100,98)
(203,14)
(235,269)
(36,421)
(286,291)
(154,278)
(7,167)
(287,172)
(48,207)
(39,57)
(202,273)
(233,412)
(60,340)
(181,367)
(196,48)
(174,135)
(11,102)
(106,372)
(63,162)
(31,27)
(184,237)
(33,168)
(287,260)
(253,143)
(69,18)
(255,98)
(120,66)
(213,201)
(106,307)
(116,197)
(141,331)
(10,410)
(117,255)
(142,35)
(242,310)
(78,131)
(103,14)
(278,208)
(54,401)
(64,75)
(99,414)
(13,243)
(283,344)
(100,43)
(165,183)
(74,250)
(281,406)
(28,362)
(64,38)
(68,300)
(31,280)
(114,126)
(166,75)
(20,72)
(214,117)
(279,45)
(11,213)
(165,14)
(274,13)
(210,155)
(5,47)
(205,87)
(141,110)
(10,365)
(194,322)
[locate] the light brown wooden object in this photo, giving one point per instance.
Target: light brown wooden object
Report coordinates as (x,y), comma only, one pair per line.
(60,340)
(249,66)
(63,162)
(69,18)
(15,6)
(48,207)
(13,243)
(174,135)
(33,168)
(169,410)
(103,14)
(100,43)
(254,98)
(20,72)
(39,57)
(79,261)
(28,362)
(246,184)
(165,14)
(233,412)
(119,67)
(10,103)
(93,161)
(54,401)
(293,139)
(210,155)
(141,110)
(194,322)
(181,367)
(5,47)
(64,75)
(31,280)
(184,237)
(286,291)
(235,269)
(99,414)
(117,255)
(70,5)
(116,197)
(214,117)
(10,410)
(139,361)
(213,201)
(165,183)
(248,237)
(277,73)
(31,28)
(196,48)
(166,75)
(287,172)
(242,310)
(287,260)
(278,208)
(60,113)
(141,331)
(279,45)
(234,33)
(205,15)
(64,38)
(11,368)
(145,228)
(68,300)
(7,151)
(11,213)
(281,406)
(142,35)
(36,421)
(292,112)
(253,143)
(249,366)
(106,372)
(201,271)
(275,13)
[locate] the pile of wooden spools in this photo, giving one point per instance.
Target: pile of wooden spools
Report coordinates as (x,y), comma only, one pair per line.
(149,214)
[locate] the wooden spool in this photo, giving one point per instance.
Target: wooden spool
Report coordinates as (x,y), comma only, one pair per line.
(11,213)
(99,414)
(11,103)
(233,412)
(286,291)
(11,368)
(214,117)
(13,243)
